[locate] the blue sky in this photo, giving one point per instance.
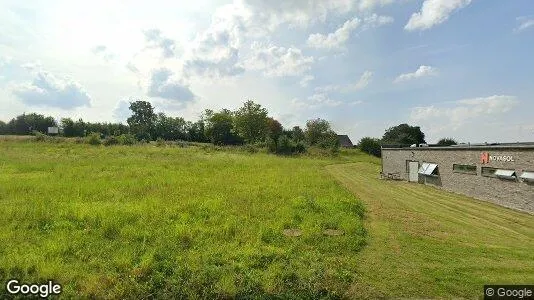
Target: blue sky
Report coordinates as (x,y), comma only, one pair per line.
(457,68)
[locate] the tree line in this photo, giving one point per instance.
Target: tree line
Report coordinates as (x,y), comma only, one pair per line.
(248,125)
(402,134)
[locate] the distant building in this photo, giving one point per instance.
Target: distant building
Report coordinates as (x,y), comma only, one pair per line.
(499,173)
(345,141)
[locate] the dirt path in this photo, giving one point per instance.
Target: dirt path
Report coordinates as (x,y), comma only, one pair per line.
(425,242)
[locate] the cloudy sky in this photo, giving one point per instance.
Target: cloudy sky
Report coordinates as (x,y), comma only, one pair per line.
(458,68)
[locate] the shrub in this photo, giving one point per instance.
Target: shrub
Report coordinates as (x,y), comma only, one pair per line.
(300,147)
(110,141)
(370,146)
(284,145)
(93,139)
(57,139)
(39,137)
(447,142)
(180,144)
(160,142)
(271,145)
(334,148)
(126,139)
(250,148)
(79,140)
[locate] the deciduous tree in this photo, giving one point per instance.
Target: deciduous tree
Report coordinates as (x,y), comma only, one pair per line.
(26,123)
(142,119)
(251,122)
(274,129)
(220,127)
(316,131)
(404,134)
(447,142)
(169,128)
(370,146)
(3,127)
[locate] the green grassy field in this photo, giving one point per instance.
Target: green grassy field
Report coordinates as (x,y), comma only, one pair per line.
(424,242)
(147,221)
(197,222)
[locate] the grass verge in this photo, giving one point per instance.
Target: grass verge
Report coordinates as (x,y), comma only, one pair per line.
(425,242)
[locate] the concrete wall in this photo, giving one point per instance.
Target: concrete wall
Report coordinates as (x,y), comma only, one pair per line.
(513,194)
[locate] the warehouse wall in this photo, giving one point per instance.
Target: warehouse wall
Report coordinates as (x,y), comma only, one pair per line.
(513,194)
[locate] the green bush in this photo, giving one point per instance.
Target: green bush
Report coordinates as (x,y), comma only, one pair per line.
(284,145)
(181,144)
(271,145)
(447,142)
(250,148)
(79,140)
(39,137)
(57,139)
(331,142)
(160,142)
(370,146)
(111,140)
(93,139)
(335,148)
(300,147)
(126,139)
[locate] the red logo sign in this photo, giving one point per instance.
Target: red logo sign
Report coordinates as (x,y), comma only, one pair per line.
(484,158)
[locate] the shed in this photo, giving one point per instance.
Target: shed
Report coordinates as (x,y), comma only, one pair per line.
(345,141)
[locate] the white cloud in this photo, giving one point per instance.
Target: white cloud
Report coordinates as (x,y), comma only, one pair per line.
(32,67)
(5,60)
(215,51)
(104,52)
(336,39)
(329,88)
(304,82)
(47,90)
(302,13)
(422,71)
(371,4)
(122,111)
(434,12)
(451,119)
(164,85)
(364,80)
(524,23)
(227,65)
(277,61)
(375,20)
(156,40)
(132,68)
(315,101)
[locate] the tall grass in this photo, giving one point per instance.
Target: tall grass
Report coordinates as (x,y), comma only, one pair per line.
(168,222)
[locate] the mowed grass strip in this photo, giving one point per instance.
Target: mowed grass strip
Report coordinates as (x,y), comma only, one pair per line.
(144,221)
(425,242)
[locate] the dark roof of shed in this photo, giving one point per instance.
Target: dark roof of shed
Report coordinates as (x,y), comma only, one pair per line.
(344,140)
